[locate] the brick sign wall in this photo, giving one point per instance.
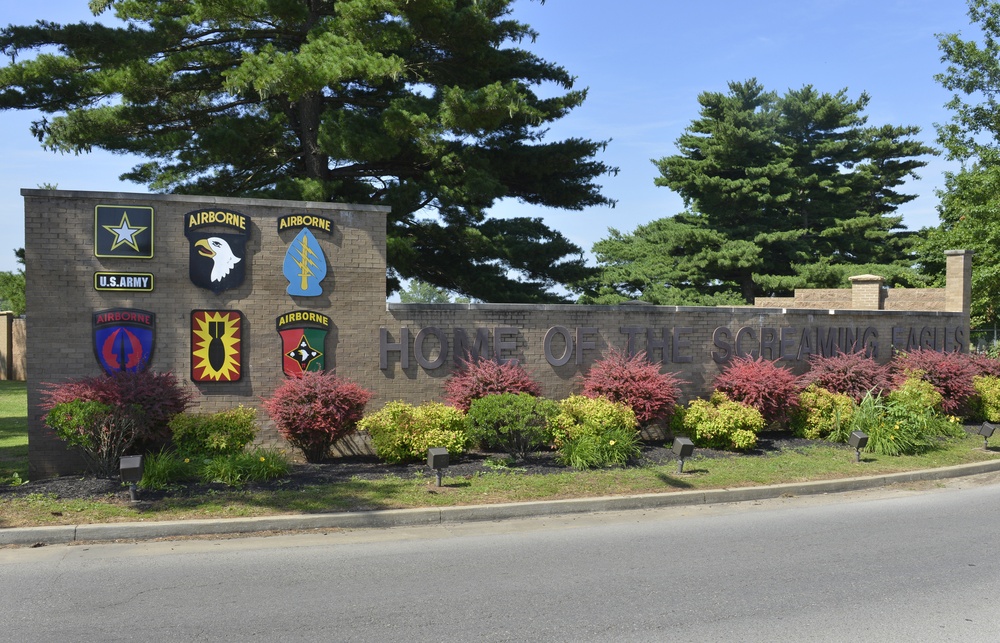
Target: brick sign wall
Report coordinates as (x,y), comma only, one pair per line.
(400,351)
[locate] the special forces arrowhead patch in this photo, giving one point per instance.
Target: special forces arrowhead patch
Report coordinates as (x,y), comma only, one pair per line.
(303,341)
(305,264)
(123,339)
(216,352)
(217,259)
(123,231)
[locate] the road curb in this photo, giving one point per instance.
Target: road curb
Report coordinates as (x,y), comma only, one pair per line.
(63,534)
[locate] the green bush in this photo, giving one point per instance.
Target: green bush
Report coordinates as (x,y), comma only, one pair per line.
(158,395)
(234,469)
(166,468)
(579,414)
(920,403)
(595,432)
(514,423)
(987,399)
(103,432)
(888,426)
(821,413)
(903,422)
(918,393)
(613,446)
(721,423)
(401,432)
(222,433)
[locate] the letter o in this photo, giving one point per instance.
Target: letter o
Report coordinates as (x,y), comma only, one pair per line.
(418,348)
(547,346)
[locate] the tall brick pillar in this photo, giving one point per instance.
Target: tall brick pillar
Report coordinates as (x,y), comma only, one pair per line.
(958,281)
(867,292)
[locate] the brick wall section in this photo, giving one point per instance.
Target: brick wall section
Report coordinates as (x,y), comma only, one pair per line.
(60,265)
(866,292)
(61,299)
(914,299)
(958,276)
(828,298)
(698,345)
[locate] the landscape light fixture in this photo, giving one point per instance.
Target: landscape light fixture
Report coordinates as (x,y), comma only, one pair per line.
(858,440)
(131,472)
(986,430)
(437,459)
(683,447)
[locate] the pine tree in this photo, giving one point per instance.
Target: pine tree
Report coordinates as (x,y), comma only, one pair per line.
(782,192)
(428,106)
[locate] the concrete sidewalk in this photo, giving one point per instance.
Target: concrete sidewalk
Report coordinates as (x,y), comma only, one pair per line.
(133,531)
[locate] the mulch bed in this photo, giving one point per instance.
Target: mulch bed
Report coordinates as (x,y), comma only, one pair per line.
(370,468)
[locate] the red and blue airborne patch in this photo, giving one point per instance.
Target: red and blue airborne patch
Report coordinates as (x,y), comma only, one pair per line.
(123,339)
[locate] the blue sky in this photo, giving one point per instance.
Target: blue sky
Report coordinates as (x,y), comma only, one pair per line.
(644,63)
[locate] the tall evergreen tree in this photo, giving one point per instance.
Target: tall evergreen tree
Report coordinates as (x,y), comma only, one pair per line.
(782,192)
(428,106)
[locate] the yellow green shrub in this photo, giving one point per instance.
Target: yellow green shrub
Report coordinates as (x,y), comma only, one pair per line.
(590,415)
(821,413)
(401,432)
(721,423)
(987,397)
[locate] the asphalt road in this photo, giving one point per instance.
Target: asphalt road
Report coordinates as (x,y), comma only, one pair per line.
(869,566)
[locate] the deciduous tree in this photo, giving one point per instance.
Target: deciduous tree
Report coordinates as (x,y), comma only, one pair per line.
(970,206)
(12,287)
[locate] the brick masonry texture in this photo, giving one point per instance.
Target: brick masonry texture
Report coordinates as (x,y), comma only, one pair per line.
(61,299)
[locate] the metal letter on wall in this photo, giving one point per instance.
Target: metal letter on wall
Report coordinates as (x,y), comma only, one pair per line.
(303,341)
(216,347)
(123,339)
(123,231)
(305,264)
(217,260)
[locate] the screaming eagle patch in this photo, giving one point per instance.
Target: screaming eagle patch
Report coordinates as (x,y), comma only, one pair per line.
(123,231)
(216,351)
(123,339)
(218,248)
(303,341)
(305,264)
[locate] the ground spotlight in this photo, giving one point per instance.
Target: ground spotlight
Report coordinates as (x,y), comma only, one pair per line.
(131,472)
(683,447)
(437,459)
(986,430)
(858,440)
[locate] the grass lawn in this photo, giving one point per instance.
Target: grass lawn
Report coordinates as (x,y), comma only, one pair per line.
(811,463)
(13,431)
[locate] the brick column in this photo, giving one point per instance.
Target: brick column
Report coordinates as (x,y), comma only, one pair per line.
(867,292)
(958,281)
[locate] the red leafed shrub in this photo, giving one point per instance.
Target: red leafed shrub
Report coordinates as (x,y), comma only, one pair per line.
(479,378)
(986,365)
(851,374)
(158,395)
(761,384)
(634,382)
(950,373)
(314,410)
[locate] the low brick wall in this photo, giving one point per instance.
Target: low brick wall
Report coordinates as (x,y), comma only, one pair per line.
(399,351)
